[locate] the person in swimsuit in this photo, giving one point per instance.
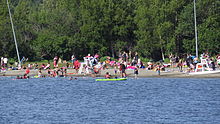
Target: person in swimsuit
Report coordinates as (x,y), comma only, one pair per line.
(107,75)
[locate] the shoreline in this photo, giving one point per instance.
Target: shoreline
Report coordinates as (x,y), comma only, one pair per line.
(143,73)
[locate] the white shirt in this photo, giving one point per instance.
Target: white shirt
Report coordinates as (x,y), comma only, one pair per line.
(5,60)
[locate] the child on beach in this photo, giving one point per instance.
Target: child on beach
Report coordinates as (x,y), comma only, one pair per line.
(158,69)
(136,72)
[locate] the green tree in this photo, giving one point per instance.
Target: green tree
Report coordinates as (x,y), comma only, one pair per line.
(23,28)
(209,29)
(7,47)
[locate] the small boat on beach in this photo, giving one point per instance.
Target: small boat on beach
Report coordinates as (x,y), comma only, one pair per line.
(204,72)
(203,68)
(113,79)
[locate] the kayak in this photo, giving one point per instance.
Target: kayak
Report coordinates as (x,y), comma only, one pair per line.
(36,76)
(113,79)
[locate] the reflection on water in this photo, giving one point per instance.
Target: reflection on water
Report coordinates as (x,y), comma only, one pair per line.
(145,100)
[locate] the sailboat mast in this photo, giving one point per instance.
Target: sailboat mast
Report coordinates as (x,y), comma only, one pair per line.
(197,54)
(12,25)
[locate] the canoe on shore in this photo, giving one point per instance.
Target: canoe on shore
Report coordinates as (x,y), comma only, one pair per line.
(113,79)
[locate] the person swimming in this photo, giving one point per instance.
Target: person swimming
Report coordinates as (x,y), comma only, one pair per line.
(25,76)
(18,77)
(107,75)
(71,78)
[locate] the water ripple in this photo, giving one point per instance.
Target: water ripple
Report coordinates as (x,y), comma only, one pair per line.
(144,100)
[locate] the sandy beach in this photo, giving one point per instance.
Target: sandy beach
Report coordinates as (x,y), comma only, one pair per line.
(130,73)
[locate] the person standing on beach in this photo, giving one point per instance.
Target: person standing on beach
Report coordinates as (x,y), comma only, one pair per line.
(124,56)
(27,71)
(115,68)
(55,62)
(136,57)
(122,69)
(136,72)
(76,65)
(73,59)
(5,60)
(212,63)
(180,65)
(2,62)
(158,69)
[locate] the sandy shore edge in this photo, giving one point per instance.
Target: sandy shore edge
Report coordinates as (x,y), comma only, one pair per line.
(143,73)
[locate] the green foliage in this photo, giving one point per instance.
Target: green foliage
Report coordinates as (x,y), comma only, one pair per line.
(167,60)
(145,59)
(11,61)
(104,58)
(153,28)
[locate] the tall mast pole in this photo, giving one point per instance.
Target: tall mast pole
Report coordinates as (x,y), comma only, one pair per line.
(197,54)
(12,25)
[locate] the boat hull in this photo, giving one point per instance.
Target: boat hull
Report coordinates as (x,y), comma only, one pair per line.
(204,72)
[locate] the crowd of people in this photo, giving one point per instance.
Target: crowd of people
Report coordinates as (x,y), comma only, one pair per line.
(92,65)
(190,62)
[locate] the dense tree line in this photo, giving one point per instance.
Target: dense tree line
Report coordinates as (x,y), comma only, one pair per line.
(154,28)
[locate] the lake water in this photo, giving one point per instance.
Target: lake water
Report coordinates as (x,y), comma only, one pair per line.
(85,101)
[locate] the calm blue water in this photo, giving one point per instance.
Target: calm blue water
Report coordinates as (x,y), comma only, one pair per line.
(85,101)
